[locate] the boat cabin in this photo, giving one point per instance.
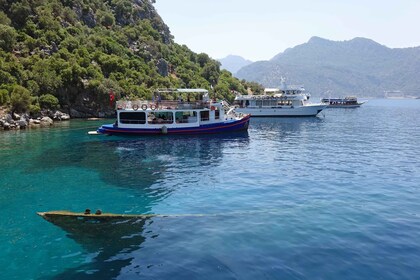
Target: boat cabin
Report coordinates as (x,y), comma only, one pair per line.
(173,108)
(272,98)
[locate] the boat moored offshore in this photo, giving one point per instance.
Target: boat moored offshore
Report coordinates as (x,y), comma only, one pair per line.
(171,113)
(286,101)
(346,102)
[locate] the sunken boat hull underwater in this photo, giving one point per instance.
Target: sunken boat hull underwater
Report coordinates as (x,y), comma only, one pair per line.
(84,225)
(54,216)
(168,113)
(104,234)
(285,101)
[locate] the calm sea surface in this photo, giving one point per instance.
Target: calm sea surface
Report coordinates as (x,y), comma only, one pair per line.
(334,197)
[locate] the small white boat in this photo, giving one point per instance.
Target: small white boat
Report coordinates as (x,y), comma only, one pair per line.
(286,101)
(168,113)
(346,102)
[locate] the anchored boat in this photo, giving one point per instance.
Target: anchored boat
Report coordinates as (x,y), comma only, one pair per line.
(286,101)
(175,111)
(346,102)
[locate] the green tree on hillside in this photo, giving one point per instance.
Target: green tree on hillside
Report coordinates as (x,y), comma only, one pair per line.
(77,51)
(48,101)
(20,99)
(8,37)
(4,19)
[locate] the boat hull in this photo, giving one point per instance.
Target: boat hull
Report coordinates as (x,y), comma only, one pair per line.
(348,102)
(303,111)
(228,126)
(344,106)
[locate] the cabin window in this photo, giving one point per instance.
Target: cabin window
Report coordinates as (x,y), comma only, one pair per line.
(186,117)
(217,114)
(133,117)
(205,115)
(264,102)
(160,117)
(284,103)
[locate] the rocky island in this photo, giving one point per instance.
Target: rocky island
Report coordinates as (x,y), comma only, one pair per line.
(61,59)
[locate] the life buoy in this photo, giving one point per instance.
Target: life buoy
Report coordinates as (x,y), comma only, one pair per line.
(144,107)
(212,108)
(153,107)
(135,107)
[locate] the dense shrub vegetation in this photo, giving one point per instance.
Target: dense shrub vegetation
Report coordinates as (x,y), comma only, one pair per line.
(77,51)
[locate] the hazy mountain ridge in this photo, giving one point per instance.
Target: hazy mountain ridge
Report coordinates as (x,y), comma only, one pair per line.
(233,63)
(359,66)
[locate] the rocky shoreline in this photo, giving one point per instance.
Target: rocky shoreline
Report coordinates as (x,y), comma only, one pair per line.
(13,121)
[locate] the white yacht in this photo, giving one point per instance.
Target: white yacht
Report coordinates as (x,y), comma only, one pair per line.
(286,101)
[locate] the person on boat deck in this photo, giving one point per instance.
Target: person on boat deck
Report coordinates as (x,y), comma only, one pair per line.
(152,117)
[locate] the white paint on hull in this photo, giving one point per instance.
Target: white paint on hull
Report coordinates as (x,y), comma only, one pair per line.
(302,111)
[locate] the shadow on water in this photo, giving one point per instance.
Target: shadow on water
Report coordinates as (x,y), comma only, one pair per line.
(111,240)
(135,164)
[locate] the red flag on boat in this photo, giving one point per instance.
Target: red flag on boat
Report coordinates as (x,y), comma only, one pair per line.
(111,97)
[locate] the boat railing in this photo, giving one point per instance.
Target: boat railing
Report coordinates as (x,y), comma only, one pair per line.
(160,105)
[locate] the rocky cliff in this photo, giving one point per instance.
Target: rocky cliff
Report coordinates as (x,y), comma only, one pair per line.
(70,55)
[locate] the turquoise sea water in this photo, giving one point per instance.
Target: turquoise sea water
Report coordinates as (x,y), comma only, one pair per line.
(334,197)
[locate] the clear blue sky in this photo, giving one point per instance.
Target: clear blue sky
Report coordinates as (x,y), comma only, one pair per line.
(260,29)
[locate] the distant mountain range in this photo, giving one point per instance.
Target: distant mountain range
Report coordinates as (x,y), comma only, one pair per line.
(359,67)
(233,63)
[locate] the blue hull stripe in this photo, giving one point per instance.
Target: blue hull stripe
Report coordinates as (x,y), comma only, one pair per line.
(203,129)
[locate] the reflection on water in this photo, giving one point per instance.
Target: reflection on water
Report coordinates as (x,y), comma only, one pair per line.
(275,128)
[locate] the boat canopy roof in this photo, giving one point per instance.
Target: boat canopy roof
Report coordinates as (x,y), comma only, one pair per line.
(182,90)
(341,98)
(271,90)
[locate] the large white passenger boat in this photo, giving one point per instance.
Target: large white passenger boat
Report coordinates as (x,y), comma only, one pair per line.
(176,111)
(286,101)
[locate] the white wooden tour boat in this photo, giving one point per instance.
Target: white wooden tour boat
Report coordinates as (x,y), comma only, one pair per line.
(175,111)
